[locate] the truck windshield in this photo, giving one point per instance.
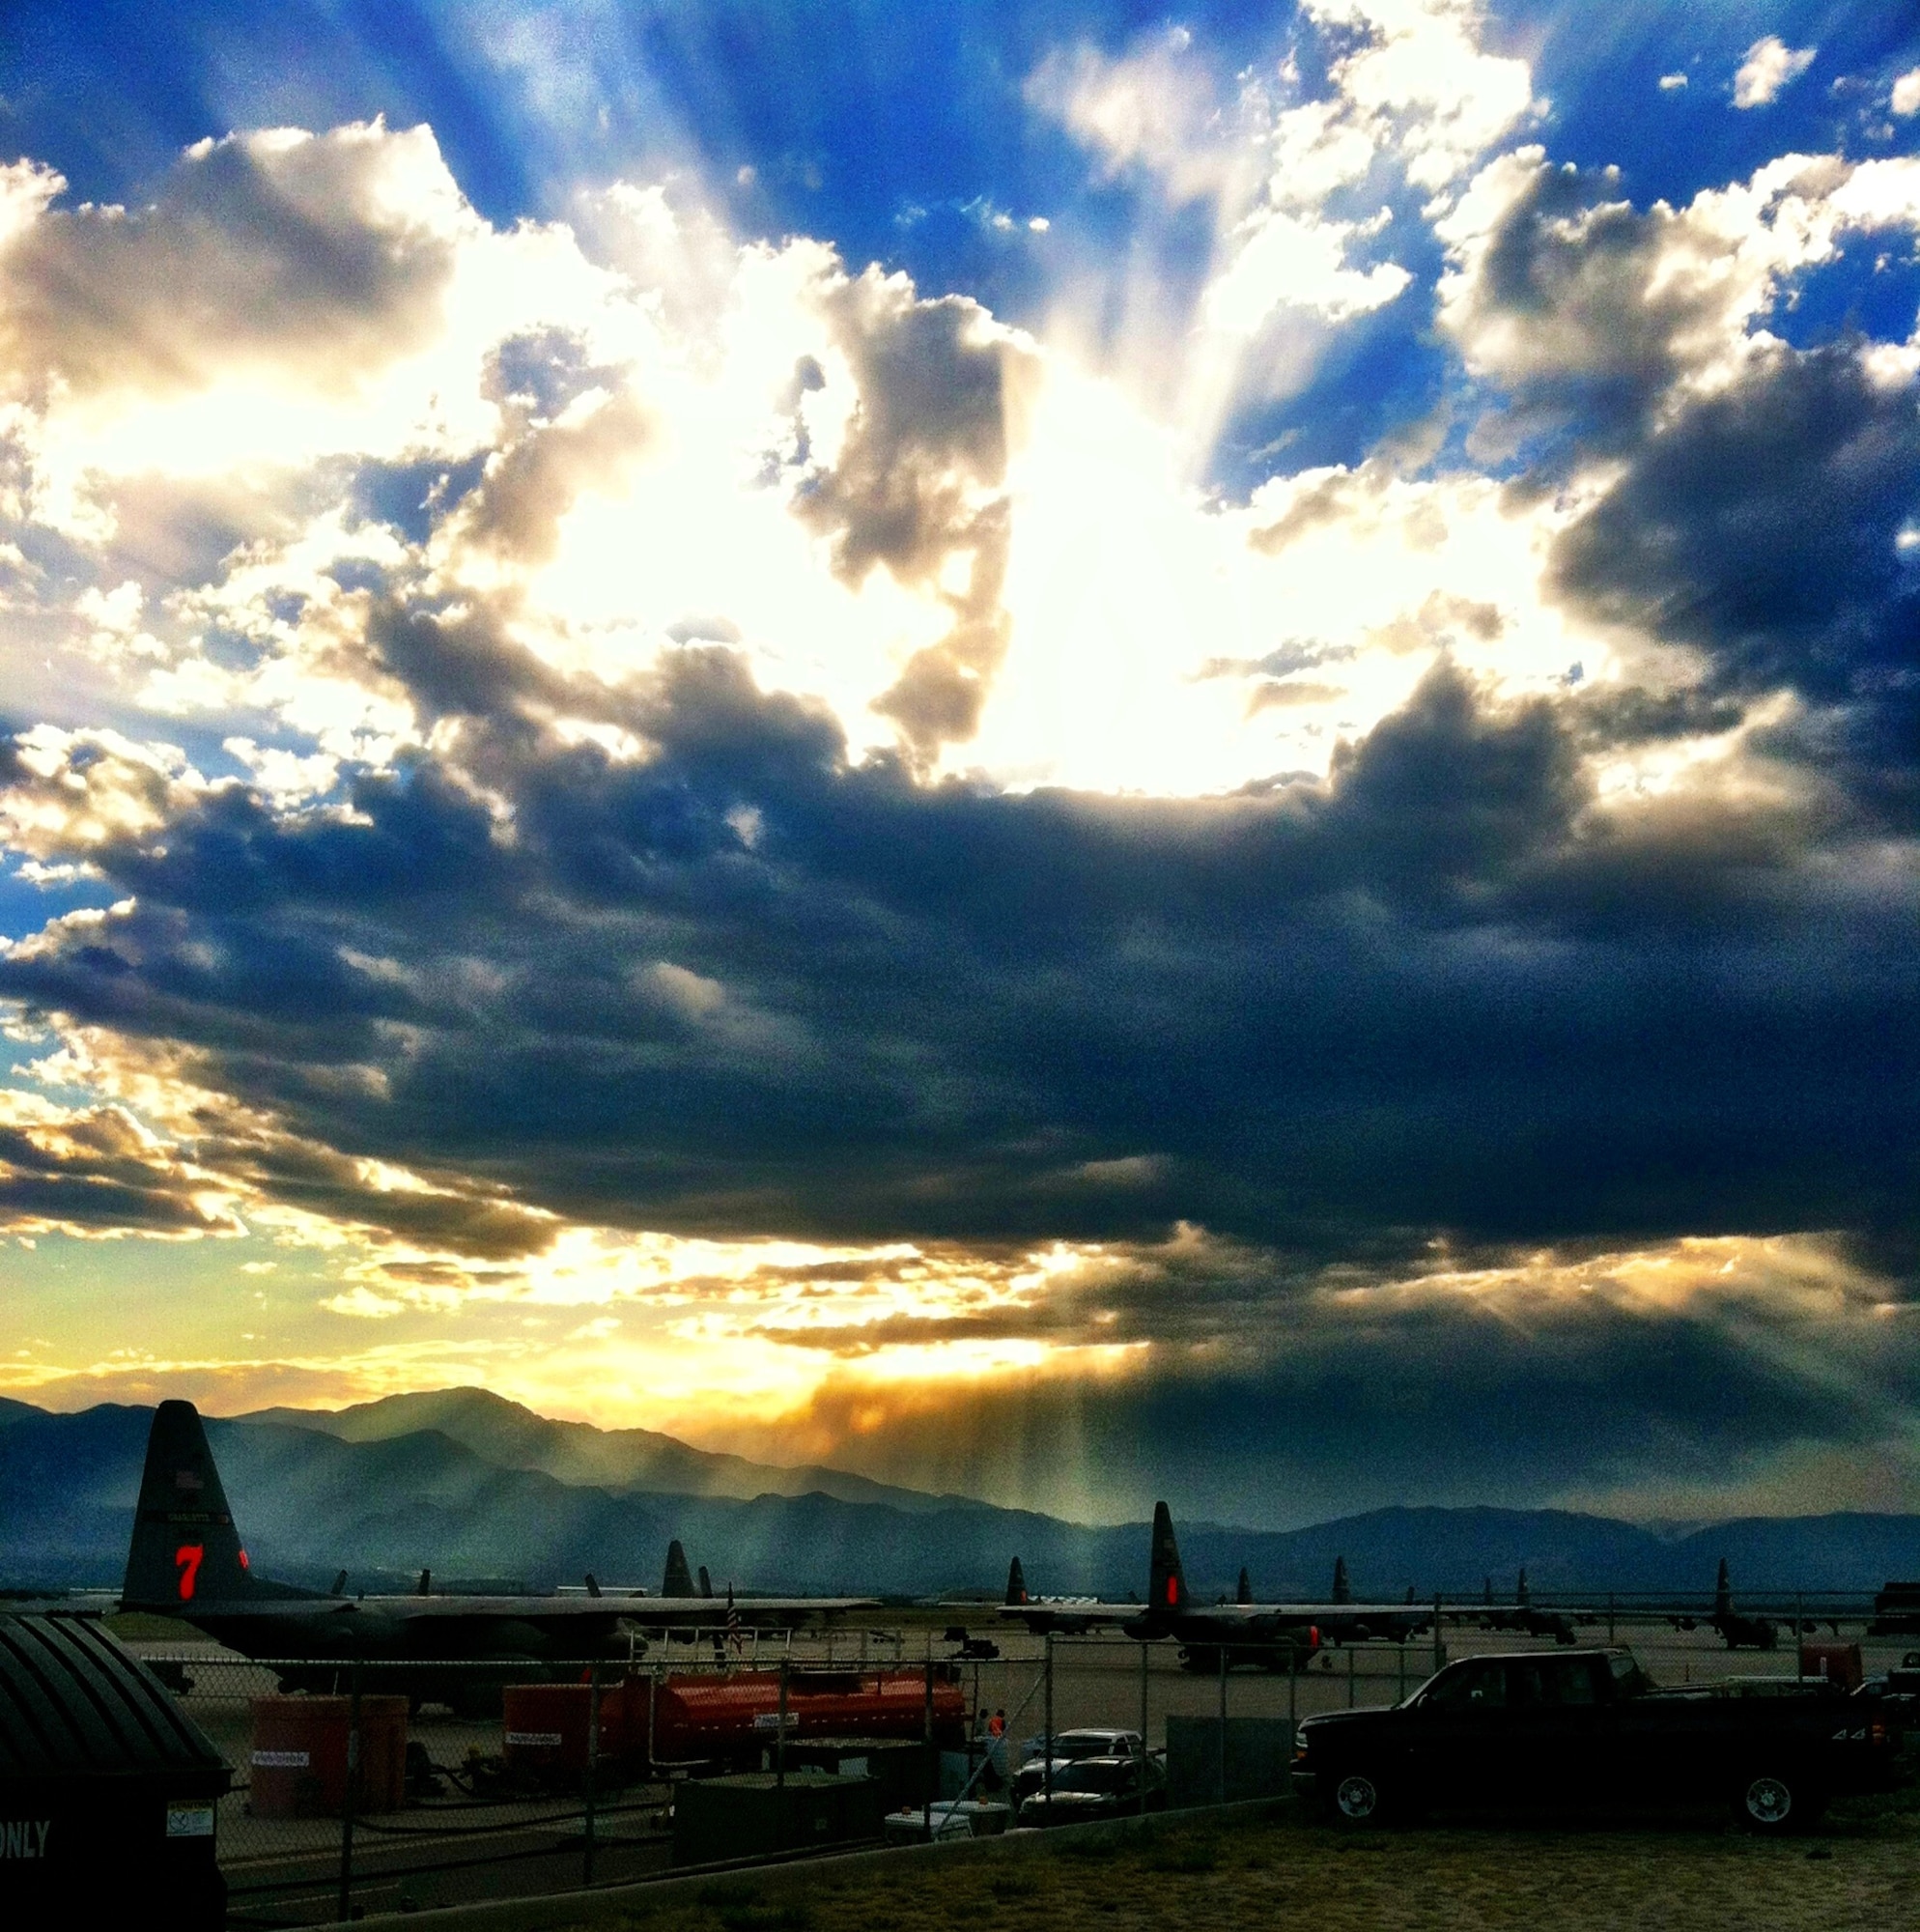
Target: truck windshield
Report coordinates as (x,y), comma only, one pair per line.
(1628,1679)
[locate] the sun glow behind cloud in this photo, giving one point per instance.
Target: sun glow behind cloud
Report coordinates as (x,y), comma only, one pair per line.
(538,702)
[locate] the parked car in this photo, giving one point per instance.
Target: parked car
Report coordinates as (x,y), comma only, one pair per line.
(1098,1788)
(1069,1747)
(1589,1729)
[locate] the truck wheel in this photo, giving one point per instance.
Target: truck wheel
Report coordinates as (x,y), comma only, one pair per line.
(1773,1805)
(1356,1799)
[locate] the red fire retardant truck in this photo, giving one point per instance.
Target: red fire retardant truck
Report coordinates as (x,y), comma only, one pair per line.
(727,1719)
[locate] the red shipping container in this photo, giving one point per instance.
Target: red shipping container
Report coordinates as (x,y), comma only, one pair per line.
(298,1766)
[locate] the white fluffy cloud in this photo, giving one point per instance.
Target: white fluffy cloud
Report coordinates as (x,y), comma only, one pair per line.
(1770,65)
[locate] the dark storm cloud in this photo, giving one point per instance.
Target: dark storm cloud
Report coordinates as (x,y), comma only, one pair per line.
(736,984)
(1758,514)
(1761,528)
(1270,1396)
(96,1172)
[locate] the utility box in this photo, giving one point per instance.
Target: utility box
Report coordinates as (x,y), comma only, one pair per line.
(297,1768)
(1837,1664)
(753,1815)
(109,1793)
(1258,1760)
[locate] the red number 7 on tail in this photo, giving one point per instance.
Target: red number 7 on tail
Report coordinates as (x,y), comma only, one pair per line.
(187,1556)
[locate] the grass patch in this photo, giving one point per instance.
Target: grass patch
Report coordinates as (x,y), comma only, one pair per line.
(792,1916)
(1192,1856)
(728,1894)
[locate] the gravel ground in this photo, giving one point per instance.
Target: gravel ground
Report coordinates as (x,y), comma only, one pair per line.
(1862,1868)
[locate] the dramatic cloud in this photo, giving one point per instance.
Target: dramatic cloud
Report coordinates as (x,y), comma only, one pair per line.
(1293,796)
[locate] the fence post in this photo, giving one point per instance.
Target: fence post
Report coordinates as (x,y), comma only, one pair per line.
(1439,1646)
(592,1769)
(1352,1660)
(1142,1727)
(1046,1749)
(781,1734)
(932,1754)
(1402,1651)
(352,1797)
(1220,1767)
(1609,1617)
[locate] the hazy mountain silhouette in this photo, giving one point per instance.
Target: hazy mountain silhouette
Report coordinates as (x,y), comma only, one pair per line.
(310,1503)
(514,1438)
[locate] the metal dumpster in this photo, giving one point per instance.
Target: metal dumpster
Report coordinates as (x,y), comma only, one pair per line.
(108,1791)
(754,1815)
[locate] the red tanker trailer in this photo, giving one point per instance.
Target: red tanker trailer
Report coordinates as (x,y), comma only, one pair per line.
(693,1716)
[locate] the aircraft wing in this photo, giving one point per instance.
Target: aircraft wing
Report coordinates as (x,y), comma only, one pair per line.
(1070,1615)
(674,1612)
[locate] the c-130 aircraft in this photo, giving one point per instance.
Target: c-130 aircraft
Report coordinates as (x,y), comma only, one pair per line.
(186,1560)
(1269,1636)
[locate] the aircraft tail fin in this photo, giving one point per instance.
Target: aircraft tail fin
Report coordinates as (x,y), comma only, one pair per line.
(1016,1582)
(1245,1593)
(1723,1592)
(1522,1595)
(1343,1588)
(186,1551)
(1166,1580)
(679,1579)
(706,1583)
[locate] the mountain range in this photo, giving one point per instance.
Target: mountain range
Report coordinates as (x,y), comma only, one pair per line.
(470,1485)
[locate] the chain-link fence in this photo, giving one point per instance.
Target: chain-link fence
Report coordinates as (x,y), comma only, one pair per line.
(388,1786)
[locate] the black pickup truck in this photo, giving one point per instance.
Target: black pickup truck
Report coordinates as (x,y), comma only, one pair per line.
(1587,1730)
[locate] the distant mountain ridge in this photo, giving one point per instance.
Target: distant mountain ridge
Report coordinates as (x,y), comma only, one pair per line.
(311,1501)
(512,1437)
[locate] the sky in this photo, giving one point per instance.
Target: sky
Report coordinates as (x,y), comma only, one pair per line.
(1063,751)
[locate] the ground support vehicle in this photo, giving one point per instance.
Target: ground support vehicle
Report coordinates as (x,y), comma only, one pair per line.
(1586,1731)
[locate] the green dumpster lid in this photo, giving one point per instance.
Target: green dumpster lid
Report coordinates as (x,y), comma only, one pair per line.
(73,1703)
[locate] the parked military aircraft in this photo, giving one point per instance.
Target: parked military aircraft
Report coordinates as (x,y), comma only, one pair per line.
(1266,1635)
(1521,1615)
(186,1560)
(1738,1631)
